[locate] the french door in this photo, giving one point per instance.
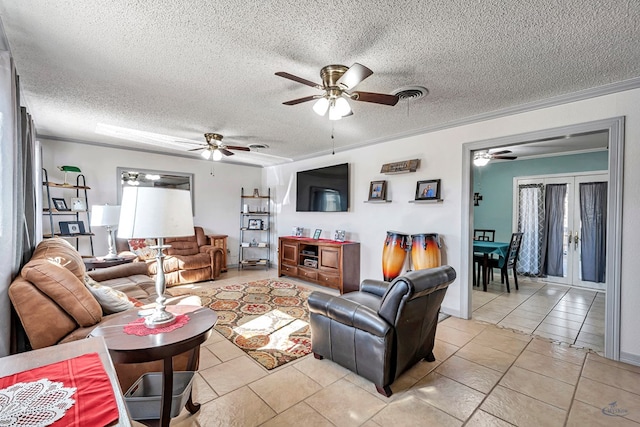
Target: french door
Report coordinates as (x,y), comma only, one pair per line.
(571,251)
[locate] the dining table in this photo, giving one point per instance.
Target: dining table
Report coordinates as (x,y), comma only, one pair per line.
(490,248)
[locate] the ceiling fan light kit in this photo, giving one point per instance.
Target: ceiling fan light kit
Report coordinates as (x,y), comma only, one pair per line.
(337,81)
(481,158)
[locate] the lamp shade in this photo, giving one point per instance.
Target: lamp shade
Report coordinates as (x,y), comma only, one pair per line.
(105,215)
(153,212)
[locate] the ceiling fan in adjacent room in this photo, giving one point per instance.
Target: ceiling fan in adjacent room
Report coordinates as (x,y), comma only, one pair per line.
(338,82)
(214,148)
(481,158)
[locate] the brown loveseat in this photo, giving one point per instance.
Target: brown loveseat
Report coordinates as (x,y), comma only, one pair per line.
(54,305)
(190,259)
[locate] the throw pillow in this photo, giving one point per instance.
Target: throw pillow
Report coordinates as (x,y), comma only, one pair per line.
(111,300)
(141,248)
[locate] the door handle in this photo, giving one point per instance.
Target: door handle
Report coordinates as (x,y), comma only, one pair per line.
(570,237)
(575,241)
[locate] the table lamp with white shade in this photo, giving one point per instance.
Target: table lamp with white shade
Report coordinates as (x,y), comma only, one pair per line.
(156,213)
(107,216)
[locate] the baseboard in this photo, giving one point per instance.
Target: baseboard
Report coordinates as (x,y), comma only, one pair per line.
(631,359)
(450,312)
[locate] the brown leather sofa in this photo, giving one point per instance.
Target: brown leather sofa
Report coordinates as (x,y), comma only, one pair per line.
(54,305)
(190,259)
(384,328)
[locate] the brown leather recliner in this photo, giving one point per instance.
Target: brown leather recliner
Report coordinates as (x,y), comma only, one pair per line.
(384,328)
(190,259)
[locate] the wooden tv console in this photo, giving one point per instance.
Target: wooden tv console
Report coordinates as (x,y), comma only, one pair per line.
(321,261)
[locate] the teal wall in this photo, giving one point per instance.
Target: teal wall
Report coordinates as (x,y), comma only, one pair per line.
(495,183)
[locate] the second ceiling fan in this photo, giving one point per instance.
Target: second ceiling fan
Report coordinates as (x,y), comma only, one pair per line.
(338,81)
(215,148)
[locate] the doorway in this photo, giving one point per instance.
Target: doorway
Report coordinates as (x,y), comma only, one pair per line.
(614,128)
(573,228)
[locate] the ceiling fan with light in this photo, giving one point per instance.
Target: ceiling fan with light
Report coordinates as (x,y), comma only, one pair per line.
(214,148)
(481,158)
(338,81)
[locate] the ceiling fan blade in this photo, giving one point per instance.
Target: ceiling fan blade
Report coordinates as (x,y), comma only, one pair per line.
(298,79)
(504,157)
(497,153)
(237,147)
(378,98)
(225,151)
(196,149)
(353,76)
(300,100)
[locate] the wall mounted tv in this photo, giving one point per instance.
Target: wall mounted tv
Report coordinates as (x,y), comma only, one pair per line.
(323,190)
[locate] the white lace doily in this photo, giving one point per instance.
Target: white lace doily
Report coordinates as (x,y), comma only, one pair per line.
(35,404)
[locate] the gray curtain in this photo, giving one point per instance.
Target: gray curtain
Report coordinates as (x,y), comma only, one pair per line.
(553,253)
(593,211)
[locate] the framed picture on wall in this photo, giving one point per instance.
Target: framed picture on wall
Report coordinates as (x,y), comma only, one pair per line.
(428,189)
(377,190)
(255,224)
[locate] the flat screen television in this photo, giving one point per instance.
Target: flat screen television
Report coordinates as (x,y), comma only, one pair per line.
(323,189)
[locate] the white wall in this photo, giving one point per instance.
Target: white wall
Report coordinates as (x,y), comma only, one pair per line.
(217,198)
(440,153)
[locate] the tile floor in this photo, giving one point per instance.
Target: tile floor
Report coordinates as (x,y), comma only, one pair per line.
(571,315)
(484,375)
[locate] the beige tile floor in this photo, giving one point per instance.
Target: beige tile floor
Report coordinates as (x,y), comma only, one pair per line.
(571,315)
(484,375)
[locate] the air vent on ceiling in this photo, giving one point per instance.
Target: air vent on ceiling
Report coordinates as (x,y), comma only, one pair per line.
(411,92)
(258,146)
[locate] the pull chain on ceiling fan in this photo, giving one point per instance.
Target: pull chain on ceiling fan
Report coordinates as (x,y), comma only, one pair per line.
(337,81)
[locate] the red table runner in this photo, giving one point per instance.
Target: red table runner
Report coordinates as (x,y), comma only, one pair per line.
(95,403)
(137,327)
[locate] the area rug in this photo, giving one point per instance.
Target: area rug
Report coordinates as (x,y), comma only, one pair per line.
(268,319)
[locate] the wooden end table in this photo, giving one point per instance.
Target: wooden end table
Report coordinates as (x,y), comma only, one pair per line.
(125,348)
(220,241)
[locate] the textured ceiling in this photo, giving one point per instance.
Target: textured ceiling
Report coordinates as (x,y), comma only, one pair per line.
(173,70)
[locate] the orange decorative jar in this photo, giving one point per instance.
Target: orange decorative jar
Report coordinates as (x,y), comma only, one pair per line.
(425,251)
(394,254)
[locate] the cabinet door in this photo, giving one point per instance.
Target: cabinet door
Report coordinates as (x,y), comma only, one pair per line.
(289,253)
(330,258)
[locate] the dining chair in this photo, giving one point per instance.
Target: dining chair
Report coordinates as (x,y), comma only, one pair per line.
(485,235)
(509,262)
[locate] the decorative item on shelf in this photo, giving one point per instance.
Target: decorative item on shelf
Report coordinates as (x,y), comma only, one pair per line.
(316,234)
(245,208)
(378,190)
(339,236)
(156,212)
(253,243)
(313,263)
(107,216)
(59,204)
(297,231)
(256,192)
(78,204)
(67,169)
(71,227)
(476,199)
(255,224)
(428,189)
(400,167)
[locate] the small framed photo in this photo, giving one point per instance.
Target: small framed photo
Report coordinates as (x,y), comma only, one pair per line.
(255,224)
(297,231)
(339,236)
(317,233)
(71,227)
(78,204)
(378,190)
(59,204)
(428,189)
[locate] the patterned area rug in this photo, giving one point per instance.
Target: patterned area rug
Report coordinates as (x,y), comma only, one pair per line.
(268,319)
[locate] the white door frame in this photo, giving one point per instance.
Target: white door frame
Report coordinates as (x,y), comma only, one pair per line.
(615,128)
